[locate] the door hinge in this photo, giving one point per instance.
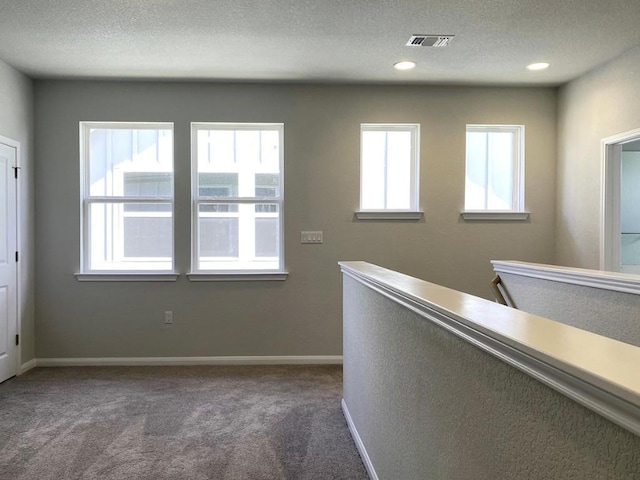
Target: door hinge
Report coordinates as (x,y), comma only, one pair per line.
(17,255)
(15,171)
(17,339)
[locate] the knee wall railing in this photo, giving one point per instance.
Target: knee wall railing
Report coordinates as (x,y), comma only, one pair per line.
(441,384)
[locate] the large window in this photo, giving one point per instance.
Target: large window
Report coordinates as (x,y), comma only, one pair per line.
(494,168)
(127,196)
(237,197)
(389,158)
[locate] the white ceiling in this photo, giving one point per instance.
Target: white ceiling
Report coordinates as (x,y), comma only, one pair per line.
(315,40)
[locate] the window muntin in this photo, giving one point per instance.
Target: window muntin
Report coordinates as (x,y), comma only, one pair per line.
(127,196)
(494,179)
(237,197)
(389,159)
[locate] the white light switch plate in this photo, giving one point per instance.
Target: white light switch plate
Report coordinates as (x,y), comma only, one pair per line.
(311,237)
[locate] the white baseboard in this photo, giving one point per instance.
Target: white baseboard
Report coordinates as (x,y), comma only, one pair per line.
(25,367)
(359,444)
(167,361)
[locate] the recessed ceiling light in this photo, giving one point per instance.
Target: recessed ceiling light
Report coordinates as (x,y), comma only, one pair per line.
(538,66)
(404,65)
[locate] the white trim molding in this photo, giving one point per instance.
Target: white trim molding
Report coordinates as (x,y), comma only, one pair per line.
(126,277)
(380,195)
(389,215)
(359,443)
(517,160)
(215,268)
(618,282)
(486,215)
(176,361)
(25,367)
(574,362)
(236,276)
(17,350)
(611,154)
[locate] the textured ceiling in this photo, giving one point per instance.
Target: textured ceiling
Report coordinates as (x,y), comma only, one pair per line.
(315,40)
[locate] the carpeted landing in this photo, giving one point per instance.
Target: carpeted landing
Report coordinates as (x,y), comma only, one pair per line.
(157,423)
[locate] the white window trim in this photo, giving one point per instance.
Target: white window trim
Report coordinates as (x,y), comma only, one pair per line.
(126,277)
(389,215)
(237,276)
(202,275)
(497,215)
(413,212)
(518,213)
(86,199)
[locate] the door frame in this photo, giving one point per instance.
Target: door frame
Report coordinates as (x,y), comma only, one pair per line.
(18,350)
(610,198)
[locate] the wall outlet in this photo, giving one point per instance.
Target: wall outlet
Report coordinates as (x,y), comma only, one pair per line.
(311,237)
(168,316)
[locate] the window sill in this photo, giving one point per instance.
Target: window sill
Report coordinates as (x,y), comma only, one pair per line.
(478,215)
(249,276)
(389,215)
(126,277)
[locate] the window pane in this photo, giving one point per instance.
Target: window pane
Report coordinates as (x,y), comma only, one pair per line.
(270,150)
(147,184)
(116,153)
(248,147)
(216,147)
(267,237)
(267,231)
(398,170)
(247,238)
(476,175)
(218,232)
(373,170)
(147,237)
(219,207)
(218,184)
(130,236)
(500,174)
(233,233)
(388,164)
(267,184)
(491,162)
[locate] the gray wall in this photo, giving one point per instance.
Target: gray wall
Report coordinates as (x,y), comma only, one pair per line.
(301,316)
(429,405)
(605,312)
(600,104)
(16,122)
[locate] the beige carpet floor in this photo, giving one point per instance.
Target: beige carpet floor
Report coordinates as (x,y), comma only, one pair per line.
(157,423)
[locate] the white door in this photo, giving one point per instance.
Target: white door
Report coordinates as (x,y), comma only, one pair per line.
(8,263)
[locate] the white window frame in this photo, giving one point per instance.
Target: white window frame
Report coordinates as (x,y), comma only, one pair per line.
(413,212)
(86,200)
(198,274)
(517,212)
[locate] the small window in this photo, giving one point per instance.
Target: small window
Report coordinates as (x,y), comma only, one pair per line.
(237,197)
(494,180)
(389,159)
(127,197)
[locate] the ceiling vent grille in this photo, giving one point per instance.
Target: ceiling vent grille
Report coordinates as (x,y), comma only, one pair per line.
(429,40)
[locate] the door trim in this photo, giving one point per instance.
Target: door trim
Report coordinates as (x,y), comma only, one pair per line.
(610,198)
(18,350)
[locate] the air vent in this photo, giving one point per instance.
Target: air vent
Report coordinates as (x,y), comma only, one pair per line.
(429,40)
